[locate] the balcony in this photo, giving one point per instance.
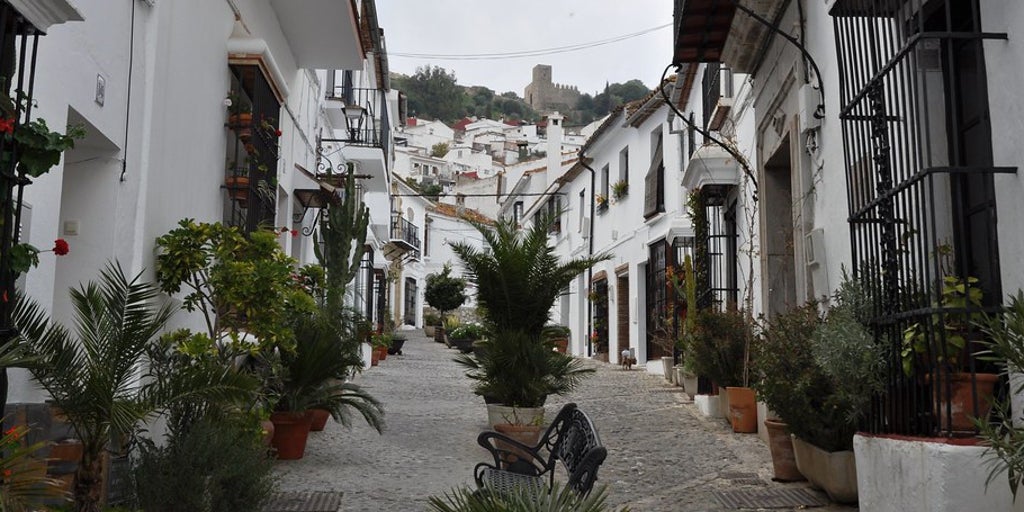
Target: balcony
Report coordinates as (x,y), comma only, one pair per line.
(711,165)
(404,242)
(322,34)
(361,125)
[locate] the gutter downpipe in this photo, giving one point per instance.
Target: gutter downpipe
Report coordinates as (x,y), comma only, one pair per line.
(590,253)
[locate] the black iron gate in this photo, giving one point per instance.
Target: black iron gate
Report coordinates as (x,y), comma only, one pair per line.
(922,212)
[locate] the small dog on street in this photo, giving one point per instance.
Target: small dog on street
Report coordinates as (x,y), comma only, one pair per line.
(627,361)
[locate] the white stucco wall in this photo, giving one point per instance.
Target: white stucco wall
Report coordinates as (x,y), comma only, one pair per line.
(901,475)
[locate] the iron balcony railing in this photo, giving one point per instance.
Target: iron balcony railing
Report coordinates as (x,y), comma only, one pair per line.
(372,127)
(405,232)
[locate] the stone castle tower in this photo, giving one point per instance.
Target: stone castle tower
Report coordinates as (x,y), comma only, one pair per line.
(545,96)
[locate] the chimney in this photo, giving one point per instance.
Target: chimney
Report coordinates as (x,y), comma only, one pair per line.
(554,147)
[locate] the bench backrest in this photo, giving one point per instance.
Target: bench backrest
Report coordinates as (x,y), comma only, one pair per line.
(579,448)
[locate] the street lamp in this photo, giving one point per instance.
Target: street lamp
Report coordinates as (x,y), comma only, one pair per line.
(354,119)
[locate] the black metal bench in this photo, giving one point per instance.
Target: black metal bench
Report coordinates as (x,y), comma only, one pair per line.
(571,438)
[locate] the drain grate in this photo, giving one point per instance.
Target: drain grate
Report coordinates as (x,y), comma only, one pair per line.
(304,502)
(748,481)
(735,475)
(770,498)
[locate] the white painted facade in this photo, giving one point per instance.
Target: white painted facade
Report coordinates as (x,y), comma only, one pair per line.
(158,157)
(426,133)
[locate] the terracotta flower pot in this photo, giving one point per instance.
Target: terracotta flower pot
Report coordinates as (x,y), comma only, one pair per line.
(781,447)
(382,353)
(318,419)
(374,357)
(960,401)
(742,409)
(528,435)
(291,430)
(238,187)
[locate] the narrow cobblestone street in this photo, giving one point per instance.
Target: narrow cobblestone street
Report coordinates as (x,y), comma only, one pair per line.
(662,455)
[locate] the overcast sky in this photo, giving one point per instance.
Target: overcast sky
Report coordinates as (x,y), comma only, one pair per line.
(445,27)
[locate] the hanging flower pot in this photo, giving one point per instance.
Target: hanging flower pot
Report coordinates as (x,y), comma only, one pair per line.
(238,188)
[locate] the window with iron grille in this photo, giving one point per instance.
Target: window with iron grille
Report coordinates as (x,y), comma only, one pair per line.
(922,209)
(252,150)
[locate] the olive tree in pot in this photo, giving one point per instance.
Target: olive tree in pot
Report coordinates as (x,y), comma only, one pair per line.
(518,277)
(445,293)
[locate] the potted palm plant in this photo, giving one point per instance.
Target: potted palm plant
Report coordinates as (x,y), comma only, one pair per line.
(518,277)
(314,375)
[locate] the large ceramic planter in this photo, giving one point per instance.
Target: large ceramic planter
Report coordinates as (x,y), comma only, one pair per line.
(428,331)
(690,384)
(742,409)
(291,430)
(318,419)
(833,472)
(781,447)
(960,402)
(396,346)
(439,334)
(464,345)
(528,435)
(498,414)
(666,366)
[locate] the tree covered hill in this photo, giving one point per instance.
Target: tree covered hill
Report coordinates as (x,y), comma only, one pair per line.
(433,92)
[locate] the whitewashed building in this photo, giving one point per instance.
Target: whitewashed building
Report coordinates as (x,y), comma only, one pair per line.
(158,146)
(885,142)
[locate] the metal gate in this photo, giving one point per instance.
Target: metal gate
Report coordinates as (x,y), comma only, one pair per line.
(919,174)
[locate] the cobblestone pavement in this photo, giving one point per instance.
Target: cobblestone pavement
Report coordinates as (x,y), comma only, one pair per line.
(662,454)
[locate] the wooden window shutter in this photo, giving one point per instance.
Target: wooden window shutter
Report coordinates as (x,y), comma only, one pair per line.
(652,183)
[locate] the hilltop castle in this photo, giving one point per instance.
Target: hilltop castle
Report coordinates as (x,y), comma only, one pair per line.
(544,96)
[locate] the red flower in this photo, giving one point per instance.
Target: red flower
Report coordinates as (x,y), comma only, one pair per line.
(7,473)
(7,125)
(61,247)
(295,233)
(277,133)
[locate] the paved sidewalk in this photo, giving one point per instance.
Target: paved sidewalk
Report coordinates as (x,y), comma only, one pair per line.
(662,455)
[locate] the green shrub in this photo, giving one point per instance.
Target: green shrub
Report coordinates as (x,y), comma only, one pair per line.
(431,319)
(211,467)
(717,345)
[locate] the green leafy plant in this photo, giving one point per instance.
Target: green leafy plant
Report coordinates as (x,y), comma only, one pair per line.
(381,340)
(518,277)
(431,318)
(241,285)
(718,344)
(819,371)
(444,292)
(93,377)
(468,331)
(314,374)
(522,499)
(1004,345)
(949,328)
(620,189)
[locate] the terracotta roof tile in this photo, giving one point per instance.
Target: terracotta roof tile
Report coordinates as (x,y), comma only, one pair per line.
(466,213)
